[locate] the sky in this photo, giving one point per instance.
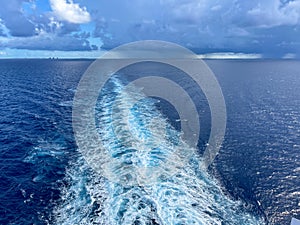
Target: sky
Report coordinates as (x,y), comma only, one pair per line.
(210,28)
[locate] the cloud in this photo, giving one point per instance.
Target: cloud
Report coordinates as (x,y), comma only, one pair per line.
(41,30)
(14,20)
(46,41)
(275,13)
(70,11)
(19,53)
(289,56)
(17,22)
(49,24)
(2,33)
(269,27)
(204,26)
(229,55)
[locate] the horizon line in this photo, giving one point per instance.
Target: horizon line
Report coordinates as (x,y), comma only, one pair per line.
(203,58)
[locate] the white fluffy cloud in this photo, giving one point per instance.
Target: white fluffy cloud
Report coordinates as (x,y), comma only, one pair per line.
(70,11)
(276,13)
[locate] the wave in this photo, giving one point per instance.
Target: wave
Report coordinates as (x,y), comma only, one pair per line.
(151,177)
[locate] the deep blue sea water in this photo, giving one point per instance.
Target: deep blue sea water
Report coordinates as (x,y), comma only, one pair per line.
(254,179)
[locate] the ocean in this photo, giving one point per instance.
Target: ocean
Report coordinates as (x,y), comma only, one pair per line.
(46,180)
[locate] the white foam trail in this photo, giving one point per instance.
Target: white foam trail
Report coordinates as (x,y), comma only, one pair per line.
(178,194)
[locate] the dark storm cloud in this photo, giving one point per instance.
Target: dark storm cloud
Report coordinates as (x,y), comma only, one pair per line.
(204,25)
(194,24)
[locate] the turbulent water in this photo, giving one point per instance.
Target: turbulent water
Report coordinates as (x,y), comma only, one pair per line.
(46,180)
(182,194)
